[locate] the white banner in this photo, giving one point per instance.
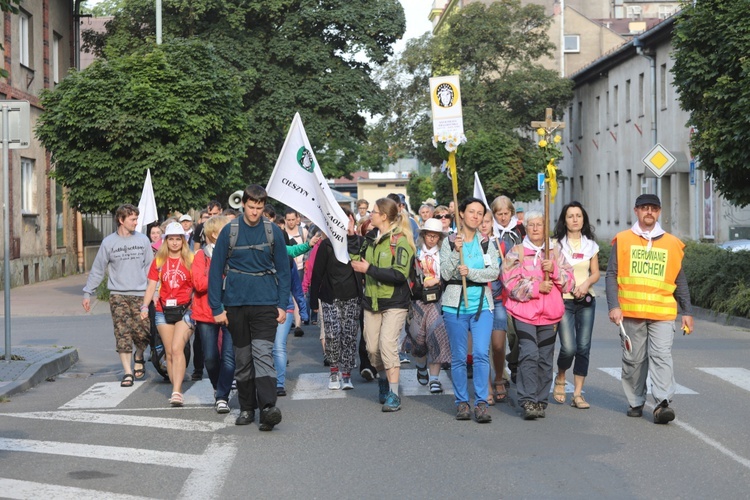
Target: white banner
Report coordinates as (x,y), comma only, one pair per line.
(447,113)
(298,182)
(147,206)
(478,191)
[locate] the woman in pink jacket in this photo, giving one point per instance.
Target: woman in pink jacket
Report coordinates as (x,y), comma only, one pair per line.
(535,305)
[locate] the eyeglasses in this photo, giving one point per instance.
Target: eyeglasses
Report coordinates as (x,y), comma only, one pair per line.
(440,217)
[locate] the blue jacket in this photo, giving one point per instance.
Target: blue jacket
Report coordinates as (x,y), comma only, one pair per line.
(240,288)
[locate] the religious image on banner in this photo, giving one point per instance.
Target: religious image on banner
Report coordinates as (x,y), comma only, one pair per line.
(298,182)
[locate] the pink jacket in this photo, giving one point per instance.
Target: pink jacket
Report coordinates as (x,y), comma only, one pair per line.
(307,277)
(522,278)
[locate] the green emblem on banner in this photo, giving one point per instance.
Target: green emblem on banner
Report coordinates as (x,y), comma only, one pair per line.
(305,159)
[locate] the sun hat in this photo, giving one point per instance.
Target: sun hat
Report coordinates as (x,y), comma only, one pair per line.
(186,217)
(174,228)
(433,225)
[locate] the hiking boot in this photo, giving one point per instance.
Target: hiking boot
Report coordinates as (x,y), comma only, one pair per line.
(245,418)
(383,389)
(392,402)
(269,418)
(540,413)
(334,381)
(663,414)
(635,411)
(367,374)
(529,411)
(463,411)
(481,414)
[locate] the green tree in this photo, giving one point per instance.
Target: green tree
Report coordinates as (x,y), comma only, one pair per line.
(172,109)
(292,55)
(495,49)
(419,189)
(711,73)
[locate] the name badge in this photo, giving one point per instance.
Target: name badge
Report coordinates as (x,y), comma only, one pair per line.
(171,302)
(487,260)
(578,256)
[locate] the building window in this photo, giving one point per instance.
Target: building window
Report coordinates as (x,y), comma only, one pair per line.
(56,46)
(572,43)
(60,216)
(579,123)
(24,38)
(571,126)
(666,10)
(608,117)
(598,112)
(634,12)
(627,100)
(641,95)
(27,186)
(616,105)
(663,85)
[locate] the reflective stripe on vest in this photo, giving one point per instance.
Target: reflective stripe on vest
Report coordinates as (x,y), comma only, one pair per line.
(646,279)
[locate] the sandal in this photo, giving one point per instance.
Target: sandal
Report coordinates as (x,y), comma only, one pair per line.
(422,376)
(176,399)
(579,402)
(559,392)
(139,373)
(127,380)
(501,391)
(436,387)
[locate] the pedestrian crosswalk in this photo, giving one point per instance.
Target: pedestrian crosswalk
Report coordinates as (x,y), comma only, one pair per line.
(107,404)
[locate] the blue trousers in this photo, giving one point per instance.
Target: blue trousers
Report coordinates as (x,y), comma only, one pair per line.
(458,328)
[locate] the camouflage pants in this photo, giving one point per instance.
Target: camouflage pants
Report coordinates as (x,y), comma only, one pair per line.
(129,327)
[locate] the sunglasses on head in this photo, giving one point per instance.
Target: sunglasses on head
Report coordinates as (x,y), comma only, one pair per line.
(444,216)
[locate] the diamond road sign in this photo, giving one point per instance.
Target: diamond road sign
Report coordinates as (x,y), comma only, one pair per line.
(659,160)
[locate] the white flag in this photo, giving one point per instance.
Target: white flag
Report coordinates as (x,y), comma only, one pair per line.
(147,206)
(298,182)
(478,191)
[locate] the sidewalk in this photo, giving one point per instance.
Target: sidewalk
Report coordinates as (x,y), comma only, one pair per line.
(61,297)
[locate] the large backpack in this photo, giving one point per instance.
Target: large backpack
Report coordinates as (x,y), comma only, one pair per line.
(234,229)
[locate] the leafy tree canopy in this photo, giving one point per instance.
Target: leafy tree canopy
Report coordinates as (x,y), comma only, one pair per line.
(711,73)
(172,109)
(291,56)
(495,49)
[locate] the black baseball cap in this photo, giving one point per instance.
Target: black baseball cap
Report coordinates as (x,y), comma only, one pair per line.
(648,199)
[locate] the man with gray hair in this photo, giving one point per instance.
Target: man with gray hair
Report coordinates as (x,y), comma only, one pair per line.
(425,213)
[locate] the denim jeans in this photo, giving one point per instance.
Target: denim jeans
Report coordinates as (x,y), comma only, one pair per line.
(220,367)
(575,337)
(458,335)
(279,349)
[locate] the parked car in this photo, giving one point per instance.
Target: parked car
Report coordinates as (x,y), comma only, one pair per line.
(736,245)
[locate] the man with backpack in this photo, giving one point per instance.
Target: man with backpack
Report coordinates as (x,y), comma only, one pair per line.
(248,291)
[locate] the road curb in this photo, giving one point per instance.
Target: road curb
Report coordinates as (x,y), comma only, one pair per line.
(720,318)
(38,372)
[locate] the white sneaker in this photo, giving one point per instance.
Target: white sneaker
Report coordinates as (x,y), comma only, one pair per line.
(346,383)
(334,381)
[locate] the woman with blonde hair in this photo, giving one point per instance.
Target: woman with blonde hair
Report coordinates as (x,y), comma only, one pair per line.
(219,361)
(171,271)
(385,257)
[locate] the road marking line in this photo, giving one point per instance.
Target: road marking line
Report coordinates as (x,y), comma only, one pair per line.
(114,419)
(14,488)
(735,376)
(410,386)
(713,443)
(101,395)
(209,480)
(99,452)
(314,386)
(617,373)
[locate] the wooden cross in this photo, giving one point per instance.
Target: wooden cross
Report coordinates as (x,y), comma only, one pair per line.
(548,125)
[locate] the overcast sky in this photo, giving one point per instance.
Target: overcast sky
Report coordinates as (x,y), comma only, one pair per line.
(416,20)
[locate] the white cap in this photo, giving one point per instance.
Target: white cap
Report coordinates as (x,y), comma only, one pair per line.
(186,217)
(174,228)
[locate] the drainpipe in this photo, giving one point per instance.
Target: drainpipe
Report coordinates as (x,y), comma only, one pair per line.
(562,38)
(650,55)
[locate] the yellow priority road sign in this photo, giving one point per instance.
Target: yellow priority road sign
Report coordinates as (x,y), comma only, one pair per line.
(659,160)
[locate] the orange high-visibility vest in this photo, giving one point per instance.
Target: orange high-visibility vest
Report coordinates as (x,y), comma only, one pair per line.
(646,279)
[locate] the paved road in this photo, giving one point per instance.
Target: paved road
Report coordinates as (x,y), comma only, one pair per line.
(83,436)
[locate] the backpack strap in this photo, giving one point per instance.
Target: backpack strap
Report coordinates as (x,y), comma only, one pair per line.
(234,228)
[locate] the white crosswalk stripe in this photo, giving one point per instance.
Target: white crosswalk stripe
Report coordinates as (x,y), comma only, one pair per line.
(101,395)
(739,377)
(617,373)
